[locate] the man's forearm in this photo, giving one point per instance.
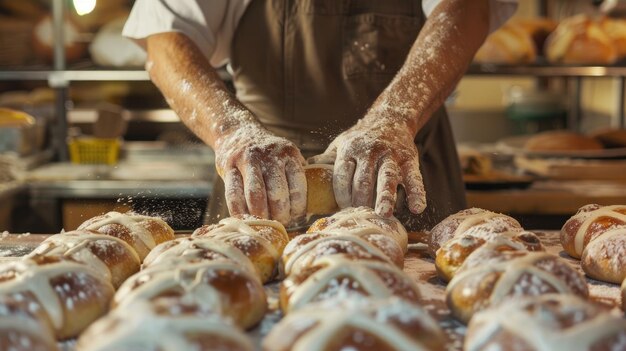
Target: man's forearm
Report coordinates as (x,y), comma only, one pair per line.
(193,88)
(437,61)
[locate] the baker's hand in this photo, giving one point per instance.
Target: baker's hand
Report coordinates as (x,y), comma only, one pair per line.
(263,174)
(371,159)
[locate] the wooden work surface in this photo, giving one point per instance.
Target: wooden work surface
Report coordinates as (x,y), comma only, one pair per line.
(417,265)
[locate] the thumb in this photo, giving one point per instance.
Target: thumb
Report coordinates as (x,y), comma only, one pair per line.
(328,157)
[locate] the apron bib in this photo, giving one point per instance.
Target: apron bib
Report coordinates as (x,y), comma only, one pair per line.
(309,69)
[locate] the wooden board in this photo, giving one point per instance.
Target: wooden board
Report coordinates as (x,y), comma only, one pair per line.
(418,265)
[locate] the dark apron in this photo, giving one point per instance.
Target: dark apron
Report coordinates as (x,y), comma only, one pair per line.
(309,69)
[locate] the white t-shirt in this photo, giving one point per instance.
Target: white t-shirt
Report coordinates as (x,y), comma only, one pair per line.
(211,24)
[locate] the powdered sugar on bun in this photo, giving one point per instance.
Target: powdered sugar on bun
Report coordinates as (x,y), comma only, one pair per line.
(221,287)
(597,235)
(192,250)
(506,274)
(23,327)
(306,249)
(143,233)
(552,322)
(162,326)
(60,287)
(474,221)
(369,324)
(361,221)
(261,240)
(451,256)
(112,258)
(335,277)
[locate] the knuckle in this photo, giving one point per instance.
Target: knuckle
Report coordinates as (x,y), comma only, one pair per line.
(252,153)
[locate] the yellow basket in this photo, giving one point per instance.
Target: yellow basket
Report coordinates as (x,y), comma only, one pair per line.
(94,150)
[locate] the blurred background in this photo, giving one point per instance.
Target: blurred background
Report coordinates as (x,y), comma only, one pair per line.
(539,118)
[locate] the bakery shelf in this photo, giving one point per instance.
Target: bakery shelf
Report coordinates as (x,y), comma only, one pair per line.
(547,70)
(24,75)
(111,74)
(574,75)
(62,78)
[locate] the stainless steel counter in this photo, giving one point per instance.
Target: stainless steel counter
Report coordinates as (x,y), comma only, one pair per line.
(159,183)
(119,188)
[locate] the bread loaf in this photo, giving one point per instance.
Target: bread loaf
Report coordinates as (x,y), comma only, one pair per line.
(580,40)
(539,28)
(510,44)
(320,193)
(615,29)
(561,141)
(610,138)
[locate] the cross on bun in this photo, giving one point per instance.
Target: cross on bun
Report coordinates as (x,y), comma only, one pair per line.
(261,240)
(193,250)
(336,277)
(551,322)
(113,258)
(369,324)
(221,287)
(473,221)
(451,256)
(304,250)
(165,325)
(597,235)
(143,233)
(24,327)
(71,294)
(387,234)
(495,273)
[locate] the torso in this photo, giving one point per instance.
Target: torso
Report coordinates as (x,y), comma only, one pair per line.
(309,69)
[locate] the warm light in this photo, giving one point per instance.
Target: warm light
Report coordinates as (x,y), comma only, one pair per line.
(84,7)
